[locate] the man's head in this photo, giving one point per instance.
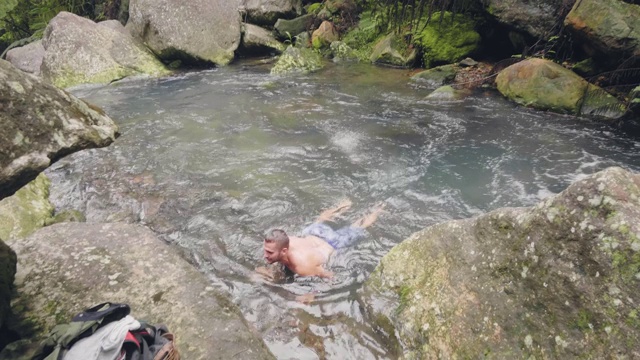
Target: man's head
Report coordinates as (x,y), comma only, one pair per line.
(276,245)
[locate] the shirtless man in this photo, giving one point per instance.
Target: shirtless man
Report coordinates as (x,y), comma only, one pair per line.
(307,254)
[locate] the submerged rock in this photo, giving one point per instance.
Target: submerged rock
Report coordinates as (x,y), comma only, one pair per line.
(558,279)
(65,268)
(436,76)
(79,51)
(40,124)
(448,93)
(546,85)
(195,30)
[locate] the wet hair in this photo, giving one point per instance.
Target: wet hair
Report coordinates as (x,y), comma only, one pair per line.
(279,237)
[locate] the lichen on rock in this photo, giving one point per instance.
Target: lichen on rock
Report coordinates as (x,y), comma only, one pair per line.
(27,210)
(506,282)
(297,60)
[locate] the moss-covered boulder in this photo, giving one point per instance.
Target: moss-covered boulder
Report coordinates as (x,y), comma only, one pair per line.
(297,60)
(437,76)
(65,268)
(79,51)
(606,27)
(545,85)
(197,31)
(557,280)
(40,124)
(342,52)
(27,210)
(393,50)
(447,39)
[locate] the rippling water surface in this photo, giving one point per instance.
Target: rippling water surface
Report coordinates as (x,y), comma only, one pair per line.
(211,160)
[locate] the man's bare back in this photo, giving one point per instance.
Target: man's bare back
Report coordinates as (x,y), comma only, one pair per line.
(306,255)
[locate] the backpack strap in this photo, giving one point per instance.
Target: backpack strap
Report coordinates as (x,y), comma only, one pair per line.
(168,351)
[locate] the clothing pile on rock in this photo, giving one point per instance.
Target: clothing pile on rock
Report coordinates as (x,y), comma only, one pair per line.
(107,332)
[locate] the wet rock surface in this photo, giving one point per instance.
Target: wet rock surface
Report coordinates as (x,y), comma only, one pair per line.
(557,280)
(65,268)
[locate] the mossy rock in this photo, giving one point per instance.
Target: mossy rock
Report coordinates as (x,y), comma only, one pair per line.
(447,39)
(436,76)
(559,279)
(297,60)
(342,52)
(27,210)
(67,216)
(393,50)
(546,85)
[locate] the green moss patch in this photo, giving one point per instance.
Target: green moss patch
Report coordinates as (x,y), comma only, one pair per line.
(447,39)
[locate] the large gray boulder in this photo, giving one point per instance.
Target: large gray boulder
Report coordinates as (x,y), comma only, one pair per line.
(65,268)
(557,280)
(80,51)
(267,12)
(196,30)
(27,58)
(40,124)
(258,40)
(534,17)
(606,27)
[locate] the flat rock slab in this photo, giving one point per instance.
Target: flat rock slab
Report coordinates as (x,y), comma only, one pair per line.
(65,268)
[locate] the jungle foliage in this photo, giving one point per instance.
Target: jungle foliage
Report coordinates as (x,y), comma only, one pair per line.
(21,19)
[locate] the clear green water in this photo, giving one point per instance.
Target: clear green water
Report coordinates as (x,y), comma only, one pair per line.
(211,160)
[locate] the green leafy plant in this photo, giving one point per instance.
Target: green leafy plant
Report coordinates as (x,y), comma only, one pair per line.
(27,19)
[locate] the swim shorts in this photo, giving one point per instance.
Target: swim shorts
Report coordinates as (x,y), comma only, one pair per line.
(336,238)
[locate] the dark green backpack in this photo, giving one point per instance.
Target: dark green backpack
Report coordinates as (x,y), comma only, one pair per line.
(146,343)
(84,324)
